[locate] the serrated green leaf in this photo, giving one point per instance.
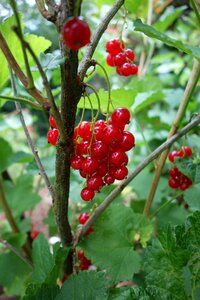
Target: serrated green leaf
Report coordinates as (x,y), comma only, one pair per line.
(186,166)
(41,292)
(191,196)
(115,230)
(5,154)
(143,100)
(21,196)
(153,33)
(43,261)
(86,285)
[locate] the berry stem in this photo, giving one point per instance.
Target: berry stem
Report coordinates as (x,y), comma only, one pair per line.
(109,90)
(23,101)
(98,100)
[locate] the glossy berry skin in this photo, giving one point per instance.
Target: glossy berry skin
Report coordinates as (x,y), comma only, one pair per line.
(84,130)
(130,55)
(118,158)
(120,59)
(76,162)
(89,165)
(128,141)
(99,149)
(83,218)
(52,122)
(120,173)
(115,46)
(110,60)
(52,136)
(173,183)
(87,194)
(120,117)
(172,155)
(76,33)
(109,179)
(185,151)
(82,148)
(111,135)
(95,182)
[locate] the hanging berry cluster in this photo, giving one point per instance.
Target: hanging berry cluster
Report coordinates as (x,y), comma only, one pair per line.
(121,58)
(177,179)
(84,263)
(100,151)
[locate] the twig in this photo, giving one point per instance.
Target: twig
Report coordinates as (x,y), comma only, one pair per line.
(184,102)
(10,218)
(14,250)
(85,63)
(109,199)
(22,77)
(51,13)
(23,101)
(29,140)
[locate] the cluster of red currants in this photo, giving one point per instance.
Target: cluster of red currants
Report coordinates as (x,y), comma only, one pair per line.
(76,33)
(52,134)
(84,263)
(100,151)
(82,219)
(178,179)
(121,58)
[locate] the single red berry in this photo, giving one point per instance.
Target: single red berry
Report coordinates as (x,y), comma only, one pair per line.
(83,217)
(173,183)
(83,174)
(112,135)
(80,254)
(95,182)
(76,33)
(89,165)
(118,158)
(172,155)
(120,59)
(126,69)
(76,162)
(102,169)
(134,69)
(188,151)
(128,141)
(52,122)
(34,234)
(115,46)
(120,173)
(119,71)
(52,136)
(82,148)
(120,117)
(129,54)
(110,59)
(87,194)
(184,186)
(174,172)
(109,179)
(84,130)
(99,149)
(90,230)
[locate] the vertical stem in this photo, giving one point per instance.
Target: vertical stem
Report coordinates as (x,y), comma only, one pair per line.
(180,113)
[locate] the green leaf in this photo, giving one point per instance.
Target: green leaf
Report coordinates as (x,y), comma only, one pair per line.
(143,100)
(5,154)
(41,292)
(166,19)
(186,166)
(191,196)
(38,45)
(43,261)
(51,61)
(86,285)
(13,270)
(151,32)
(21,196)
(115,230)
(21,157)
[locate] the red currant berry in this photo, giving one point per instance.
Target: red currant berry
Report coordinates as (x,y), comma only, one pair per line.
(110,59)
(128,141)
(84,130)
(188,151)
(95,182)
(102,169)
(83,174)
(119,71)
(90,230)
(76,162)
(52,136)
(80,254)
(83,217)
(118,158)
(172,155)
(120,117)
(173,183)
(129,54)
(115,46)
(109,179)
(82,148)
(126,69)
(87,194)
(120,59)
(134,69)
(89,165)
(99,149)
(76,33)
(120,173)
(34,234)
(52,122)
(112,135)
